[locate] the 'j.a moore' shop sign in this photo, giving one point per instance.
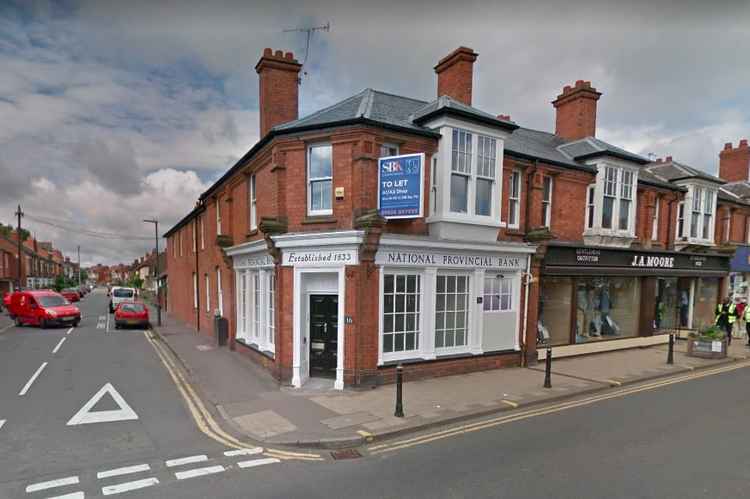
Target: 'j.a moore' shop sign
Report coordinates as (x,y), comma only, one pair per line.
(583,257)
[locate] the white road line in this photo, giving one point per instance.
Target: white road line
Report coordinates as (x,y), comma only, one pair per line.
(257,462)
(30,381)
(186,460)
(181,475)
(2,422)
(62,340)
(69,331)
(127,470)
(73,495)
(60,482)
(6,328)
(107,329)
(128,486)
(243,452)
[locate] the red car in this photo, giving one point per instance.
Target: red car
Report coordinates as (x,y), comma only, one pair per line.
(71,295)
(43,308)
(6,300)
(129,313)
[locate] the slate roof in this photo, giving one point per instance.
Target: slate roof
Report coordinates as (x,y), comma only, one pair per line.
(648,177)
(672,170)
(534,144)
(379,107)
(447,105)
(591,147)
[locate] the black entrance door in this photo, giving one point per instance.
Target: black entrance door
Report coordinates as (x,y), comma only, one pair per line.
(324,319)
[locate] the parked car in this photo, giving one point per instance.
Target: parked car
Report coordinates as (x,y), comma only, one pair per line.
(131,314)
(43,308)
(120,295)
(71,295)
(6,300)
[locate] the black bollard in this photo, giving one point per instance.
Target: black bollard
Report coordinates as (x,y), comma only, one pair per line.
(548,368)
(670,353)
(399,391)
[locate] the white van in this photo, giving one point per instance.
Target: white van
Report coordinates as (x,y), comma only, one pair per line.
(119,295)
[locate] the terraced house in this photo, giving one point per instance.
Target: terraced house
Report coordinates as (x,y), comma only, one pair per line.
(519,235)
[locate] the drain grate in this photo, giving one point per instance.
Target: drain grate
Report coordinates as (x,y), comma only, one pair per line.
(346,454)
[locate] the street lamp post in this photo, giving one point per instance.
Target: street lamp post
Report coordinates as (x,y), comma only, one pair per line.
(156,269)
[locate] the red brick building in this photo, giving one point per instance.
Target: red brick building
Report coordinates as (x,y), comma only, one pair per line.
(291,248)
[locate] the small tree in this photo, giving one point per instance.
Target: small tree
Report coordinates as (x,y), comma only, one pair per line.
(135,282)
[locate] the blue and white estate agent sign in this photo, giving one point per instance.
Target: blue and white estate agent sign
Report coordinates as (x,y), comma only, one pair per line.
(400,186)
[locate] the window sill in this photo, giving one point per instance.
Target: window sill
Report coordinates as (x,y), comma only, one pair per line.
(252,232)
(319,219)
(256,348)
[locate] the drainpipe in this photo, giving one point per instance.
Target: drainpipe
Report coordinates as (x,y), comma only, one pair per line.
(524,360)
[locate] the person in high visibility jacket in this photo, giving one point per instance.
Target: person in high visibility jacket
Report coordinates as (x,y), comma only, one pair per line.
(747,323)
(726,314)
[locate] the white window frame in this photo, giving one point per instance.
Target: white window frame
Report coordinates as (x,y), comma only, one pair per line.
(219,292)
(727,226)
(420,332)
(514,199)
(386,149)
(708,215)
(208,292)
(434,188)
(461,166)
(703,200)
(446,350)
(310,181)
(655,221)
(258,307)
(203,232)
(680,220)
(618,182)
(500,286)
(252,191)
(195,237)
(218,216)
(270,308)
(591,206)
(485,171)
(195,290)
(547,200)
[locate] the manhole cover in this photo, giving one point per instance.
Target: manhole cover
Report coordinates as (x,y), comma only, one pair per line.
(346,454)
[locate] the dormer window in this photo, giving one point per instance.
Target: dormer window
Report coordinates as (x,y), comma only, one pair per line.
(696,215)
(611,206)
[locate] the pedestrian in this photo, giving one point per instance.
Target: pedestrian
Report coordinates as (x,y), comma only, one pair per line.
(740,310)
(725,317)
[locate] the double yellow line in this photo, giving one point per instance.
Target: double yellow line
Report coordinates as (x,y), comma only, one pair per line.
(481,425)
(203,418)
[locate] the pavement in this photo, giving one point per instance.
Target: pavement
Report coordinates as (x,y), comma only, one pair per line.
(254,404)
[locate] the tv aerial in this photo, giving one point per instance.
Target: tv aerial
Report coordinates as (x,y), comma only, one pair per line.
(309,32)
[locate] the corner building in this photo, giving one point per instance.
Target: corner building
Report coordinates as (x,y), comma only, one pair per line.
(290,245)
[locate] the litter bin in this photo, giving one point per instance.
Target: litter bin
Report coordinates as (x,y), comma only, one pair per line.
(221,326)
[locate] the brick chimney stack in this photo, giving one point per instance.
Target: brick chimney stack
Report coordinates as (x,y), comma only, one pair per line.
(279,89)
(456,74)
(734,162)
(576,111)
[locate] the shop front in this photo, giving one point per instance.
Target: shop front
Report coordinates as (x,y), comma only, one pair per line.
(739,278)
(594,294)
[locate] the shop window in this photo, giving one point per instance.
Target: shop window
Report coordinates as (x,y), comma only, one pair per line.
(555,309)
(706,298)
(606,307)
(546,201)
(401,312)
(319,180)
(451,311)
(498,294)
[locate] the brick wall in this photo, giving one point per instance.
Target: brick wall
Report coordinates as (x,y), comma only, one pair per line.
(734,162)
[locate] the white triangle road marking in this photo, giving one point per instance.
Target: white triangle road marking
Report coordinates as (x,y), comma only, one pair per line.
(84,416)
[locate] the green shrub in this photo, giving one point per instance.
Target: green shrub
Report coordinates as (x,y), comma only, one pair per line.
(710,333)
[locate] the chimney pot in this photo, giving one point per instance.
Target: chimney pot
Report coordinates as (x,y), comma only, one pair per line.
(668,159)
(279,89)
(576,111)
(505,117)
(455,74)
(743,143)
(727,146)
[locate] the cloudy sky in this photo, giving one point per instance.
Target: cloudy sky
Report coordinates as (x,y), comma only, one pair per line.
(111,112)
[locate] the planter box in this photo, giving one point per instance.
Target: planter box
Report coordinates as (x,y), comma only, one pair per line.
(707,349)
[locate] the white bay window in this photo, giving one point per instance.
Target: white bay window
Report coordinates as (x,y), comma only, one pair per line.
(611,206)
(697,225)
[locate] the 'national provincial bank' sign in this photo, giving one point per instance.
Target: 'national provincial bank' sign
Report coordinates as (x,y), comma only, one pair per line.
(449,260)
